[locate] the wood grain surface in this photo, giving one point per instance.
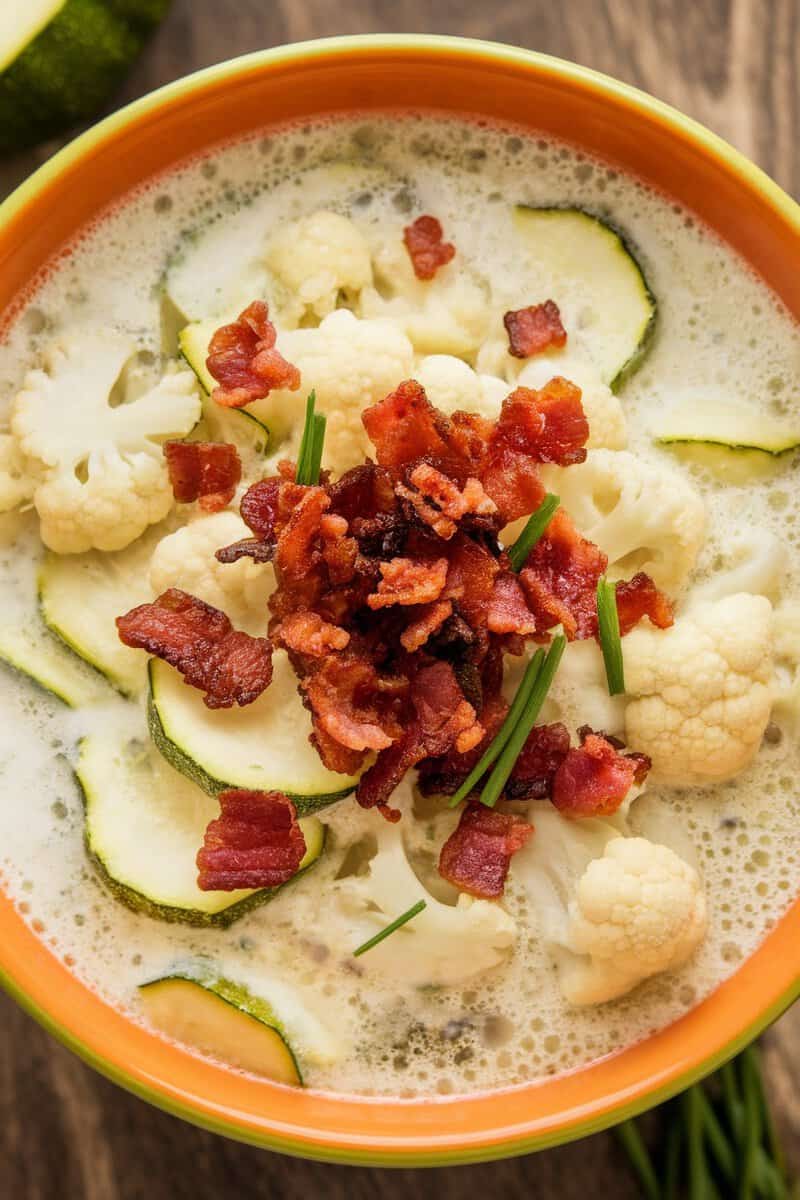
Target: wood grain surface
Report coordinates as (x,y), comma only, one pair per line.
(734,65)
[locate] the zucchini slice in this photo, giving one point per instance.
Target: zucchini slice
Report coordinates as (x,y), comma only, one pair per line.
(710,421)
(264,746)
(586,265)
(34,652)
(80,595)
(144,826)
(225,1021)
(225,424)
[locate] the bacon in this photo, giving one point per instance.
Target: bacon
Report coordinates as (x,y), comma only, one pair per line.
(426,249)
(477,855)
(471,576)
(339,552)
(508,611)
(255,842)
(534,329)
(262,510)
(405,426)
(543,753)
(449,502)
(243,359)
(443,775)
(560,579)
(204,471)
(441,717)
(230,666)
(350,702)
(639,597)
(548,425)
(405,581)
(363,493)
(594,778)
(307,633)
(427,621)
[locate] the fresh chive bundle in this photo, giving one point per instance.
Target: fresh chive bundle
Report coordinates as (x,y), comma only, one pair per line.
(610,640)
(535,526)
(395,924)
(519,735)
(309,456)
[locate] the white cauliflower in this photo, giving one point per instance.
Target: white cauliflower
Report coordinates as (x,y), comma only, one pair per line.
(607,429)
(452,385)
(579,692)
(644,517)
(16,483)
(350,364)
(613,909)
(185,559)
(318,260)
(100,476)
(445,944)
(755,562)
(445,315)
(701,690)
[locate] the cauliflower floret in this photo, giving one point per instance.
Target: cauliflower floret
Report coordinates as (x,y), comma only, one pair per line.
(452,385)
(16,482)
(185,559)
(613,909)
(607,429)
(701,691)
(317,259)
(579,692)
(446,944)
(444,315)
(756,563)
(350,364)
(644,517)
(100,476)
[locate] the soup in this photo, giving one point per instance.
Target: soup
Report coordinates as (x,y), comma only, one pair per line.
(685,369)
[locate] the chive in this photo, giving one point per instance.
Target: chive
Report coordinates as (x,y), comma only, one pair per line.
(511,752)
(535,526)
(395,924)
(505,731)
(772,1139)
(318,439)
(752,1140)
(306,441)
(698,1168)
(639,1156)
(715,1135)
(672,1161)
(610,641)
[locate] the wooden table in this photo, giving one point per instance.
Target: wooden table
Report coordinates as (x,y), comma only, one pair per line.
(733,64)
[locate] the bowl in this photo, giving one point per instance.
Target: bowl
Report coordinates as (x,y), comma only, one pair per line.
(619,124)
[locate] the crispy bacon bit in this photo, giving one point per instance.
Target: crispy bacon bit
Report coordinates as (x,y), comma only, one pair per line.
(255,842)
(477,855)
(560,579)
(204,471)
(428,621)
(261,509)
(231,667)
(426,249)
(307,633)
(534,329)
(639,597)
(441,717)
(243,359)
(543,753)
(405,426)
(449,502)
(548,425)
(594,779)
(351,702)
(406,581)
(508,612)
(339,551)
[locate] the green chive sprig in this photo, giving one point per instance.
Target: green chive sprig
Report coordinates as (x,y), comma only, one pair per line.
(309,455)
(504,733)
(535,526)
(519,735)
(610,640)
(397,923)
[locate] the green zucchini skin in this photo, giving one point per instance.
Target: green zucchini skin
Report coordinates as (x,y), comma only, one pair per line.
(71,68)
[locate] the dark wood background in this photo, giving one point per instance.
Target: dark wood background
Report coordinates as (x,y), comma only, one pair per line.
(733,64)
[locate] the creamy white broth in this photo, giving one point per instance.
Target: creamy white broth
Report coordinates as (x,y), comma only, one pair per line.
(365,1027)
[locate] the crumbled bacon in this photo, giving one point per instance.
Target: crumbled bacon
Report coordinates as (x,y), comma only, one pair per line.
(406,581)
(244,361)
(534,329)
(477,855)
(543,753)
(351,703)
(405,426)
(427,621)
(508,611)
(440,502)
(255,842)
(204,471)
(560,579)
(548,425)
(594,778)
(230,666)
(639,597)
(426,249)
(307,633)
